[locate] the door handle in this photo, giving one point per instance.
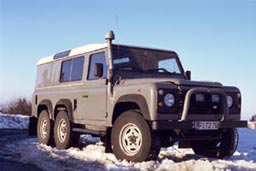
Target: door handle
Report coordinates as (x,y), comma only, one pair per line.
(85,96)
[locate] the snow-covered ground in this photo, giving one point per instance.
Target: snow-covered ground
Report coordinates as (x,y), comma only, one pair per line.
(92,156)
(13,121)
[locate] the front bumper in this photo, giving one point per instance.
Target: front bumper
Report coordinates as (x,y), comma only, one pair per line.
(168,125)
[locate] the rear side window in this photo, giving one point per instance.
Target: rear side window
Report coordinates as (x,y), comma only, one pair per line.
(72,70)
(65,71)
(97,58)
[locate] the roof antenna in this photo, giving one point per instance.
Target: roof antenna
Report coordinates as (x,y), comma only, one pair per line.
(117,30)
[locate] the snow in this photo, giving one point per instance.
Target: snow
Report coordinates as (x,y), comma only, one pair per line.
(91,155)
(8,121)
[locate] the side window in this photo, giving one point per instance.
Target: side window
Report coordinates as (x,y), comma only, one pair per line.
(72,70)
(97,58)
(65,71)
(77,69)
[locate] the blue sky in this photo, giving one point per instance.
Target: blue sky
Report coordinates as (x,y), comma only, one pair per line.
(216,40)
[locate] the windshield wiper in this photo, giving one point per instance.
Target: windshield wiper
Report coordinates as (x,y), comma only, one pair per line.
(128,68)
(160,70)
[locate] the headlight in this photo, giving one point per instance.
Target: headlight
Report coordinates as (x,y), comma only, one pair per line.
(230,101)
(169,100)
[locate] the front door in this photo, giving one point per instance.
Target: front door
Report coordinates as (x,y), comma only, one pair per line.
(92,103)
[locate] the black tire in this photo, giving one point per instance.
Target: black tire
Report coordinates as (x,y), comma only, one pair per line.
(62,131)
(155,147)
(45,129)
(137,146)
(218,148)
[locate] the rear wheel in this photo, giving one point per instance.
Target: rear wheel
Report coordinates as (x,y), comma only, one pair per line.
(44,129)
(225,147)
(62,131)
(131,137)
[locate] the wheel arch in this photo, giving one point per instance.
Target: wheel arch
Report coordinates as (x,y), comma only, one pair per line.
(131,102)
(64,105)
(45,105)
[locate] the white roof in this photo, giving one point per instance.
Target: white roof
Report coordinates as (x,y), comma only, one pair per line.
(76,51)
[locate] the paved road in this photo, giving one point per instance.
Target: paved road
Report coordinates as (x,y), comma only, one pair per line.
(12,132)
(8,136)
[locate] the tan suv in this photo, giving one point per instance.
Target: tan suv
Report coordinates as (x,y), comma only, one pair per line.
(136,99)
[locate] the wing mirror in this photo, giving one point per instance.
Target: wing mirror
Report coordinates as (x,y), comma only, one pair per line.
(188,75)
(98,69)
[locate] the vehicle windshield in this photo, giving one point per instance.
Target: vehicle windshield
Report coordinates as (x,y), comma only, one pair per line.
(145,60)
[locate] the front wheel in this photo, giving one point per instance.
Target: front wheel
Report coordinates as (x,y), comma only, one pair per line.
(131,137)
(225,147)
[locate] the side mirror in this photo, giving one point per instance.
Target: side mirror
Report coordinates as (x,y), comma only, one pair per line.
(98,69)
(188,75)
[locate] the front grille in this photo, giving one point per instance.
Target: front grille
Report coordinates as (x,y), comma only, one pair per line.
(206,106)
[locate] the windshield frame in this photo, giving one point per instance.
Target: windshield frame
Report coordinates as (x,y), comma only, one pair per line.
(173,55)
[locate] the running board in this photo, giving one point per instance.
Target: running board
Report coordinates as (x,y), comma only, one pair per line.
(89,131)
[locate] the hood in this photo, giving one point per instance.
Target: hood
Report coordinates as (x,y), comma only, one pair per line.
(178,82)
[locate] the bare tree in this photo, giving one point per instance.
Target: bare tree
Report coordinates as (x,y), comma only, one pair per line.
(18,106)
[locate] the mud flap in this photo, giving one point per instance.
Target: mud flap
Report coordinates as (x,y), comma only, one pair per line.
(32,129)
(107,143)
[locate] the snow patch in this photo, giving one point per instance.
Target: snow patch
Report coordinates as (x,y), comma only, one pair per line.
(93,157)
(10,121)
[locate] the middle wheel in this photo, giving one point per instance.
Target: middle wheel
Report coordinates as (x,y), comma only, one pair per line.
(62,131)
(131,137)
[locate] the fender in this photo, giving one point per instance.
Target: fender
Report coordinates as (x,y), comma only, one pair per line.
(139,100)
(68,104)
(48,104)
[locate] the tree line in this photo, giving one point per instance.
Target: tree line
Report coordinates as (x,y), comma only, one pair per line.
(17,106)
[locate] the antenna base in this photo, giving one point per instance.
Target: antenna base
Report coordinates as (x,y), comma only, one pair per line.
(110,35)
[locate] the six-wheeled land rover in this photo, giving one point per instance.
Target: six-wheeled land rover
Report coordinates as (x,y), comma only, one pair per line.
(136,99)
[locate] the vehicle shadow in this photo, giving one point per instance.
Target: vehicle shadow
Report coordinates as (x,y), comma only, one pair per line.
(87,139)
(180,158)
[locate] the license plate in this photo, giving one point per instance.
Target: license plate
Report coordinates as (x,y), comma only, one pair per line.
(206,125)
